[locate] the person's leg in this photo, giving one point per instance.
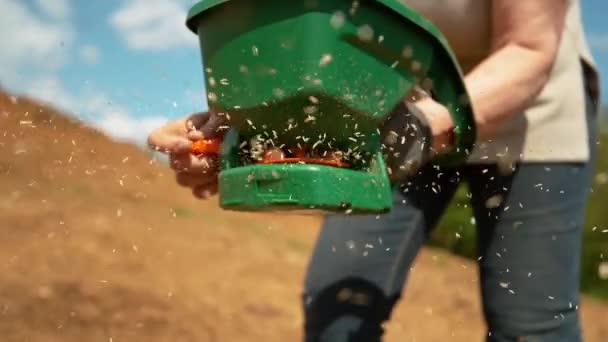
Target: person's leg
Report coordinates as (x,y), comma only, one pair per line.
(530,230)
(360,263)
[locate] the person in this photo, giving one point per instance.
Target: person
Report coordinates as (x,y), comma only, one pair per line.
(534,89)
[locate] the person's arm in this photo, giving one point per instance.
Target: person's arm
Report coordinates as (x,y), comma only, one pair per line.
(525,41)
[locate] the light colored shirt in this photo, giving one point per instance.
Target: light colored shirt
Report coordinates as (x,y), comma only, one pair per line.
(554,127)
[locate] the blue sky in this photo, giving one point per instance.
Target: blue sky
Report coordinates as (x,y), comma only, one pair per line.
(127,66)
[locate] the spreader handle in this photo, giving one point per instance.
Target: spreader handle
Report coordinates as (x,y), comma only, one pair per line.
(206,147)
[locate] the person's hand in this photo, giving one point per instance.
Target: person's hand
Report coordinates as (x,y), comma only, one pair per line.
(199,173)
(440,124)
(417,130)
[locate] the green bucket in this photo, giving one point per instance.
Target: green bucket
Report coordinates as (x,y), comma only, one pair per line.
(320,73)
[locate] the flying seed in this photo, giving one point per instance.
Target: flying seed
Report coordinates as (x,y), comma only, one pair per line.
(309,118)
(603,270)
(325,59)
(494,202)
(354,7)
(365,33)
(407,52)
(337,20)
(310,110)
(416,66)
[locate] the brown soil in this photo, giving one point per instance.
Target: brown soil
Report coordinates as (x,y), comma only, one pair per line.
(99,244)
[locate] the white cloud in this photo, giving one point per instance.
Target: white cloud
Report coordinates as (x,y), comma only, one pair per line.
(89,54)
(96,110)
(31,43)
(153,24)
(36,45)
(58,9)
(50,90)
(124,127)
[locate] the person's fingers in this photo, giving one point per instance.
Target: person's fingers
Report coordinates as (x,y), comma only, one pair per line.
(170,138)
(196,120)
(180,162)
(205,191)
(173,136)
(195,135)
(166,143)
(207,126)
(193,164)
(191,180)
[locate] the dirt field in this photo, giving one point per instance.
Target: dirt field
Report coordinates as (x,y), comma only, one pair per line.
(98,244)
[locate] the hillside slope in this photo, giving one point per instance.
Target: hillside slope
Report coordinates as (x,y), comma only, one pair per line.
(98,244)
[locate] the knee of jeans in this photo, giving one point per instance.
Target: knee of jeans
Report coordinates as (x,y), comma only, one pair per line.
(348,310)
(545,326)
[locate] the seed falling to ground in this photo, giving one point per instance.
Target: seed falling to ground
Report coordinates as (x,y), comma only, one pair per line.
(277,92)
(416,66)
(407,52)
(494,202)
(365,33)
(603,270)
(255,51)
(337,20)
(310,109)
(325,59)
(391,138)
(354,7)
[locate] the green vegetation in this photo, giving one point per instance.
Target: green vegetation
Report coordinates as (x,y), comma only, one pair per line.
(456,232)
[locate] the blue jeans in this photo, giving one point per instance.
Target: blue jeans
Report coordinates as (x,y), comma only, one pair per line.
(529,241)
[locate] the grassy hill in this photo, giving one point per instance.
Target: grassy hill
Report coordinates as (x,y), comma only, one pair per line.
(98,244)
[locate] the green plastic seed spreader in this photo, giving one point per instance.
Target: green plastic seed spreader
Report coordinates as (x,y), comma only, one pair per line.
(305,86)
